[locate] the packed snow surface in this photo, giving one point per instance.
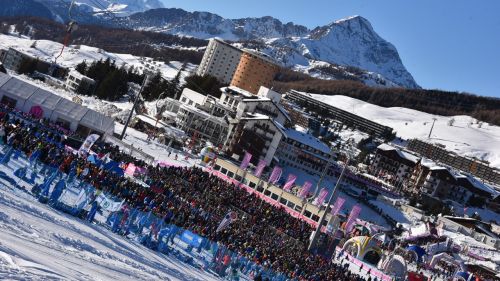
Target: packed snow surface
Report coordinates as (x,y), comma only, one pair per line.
(41,243)
(74,54)
(467,136)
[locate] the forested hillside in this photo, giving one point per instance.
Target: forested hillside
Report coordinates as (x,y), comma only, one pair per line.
(140,43)
(439,102)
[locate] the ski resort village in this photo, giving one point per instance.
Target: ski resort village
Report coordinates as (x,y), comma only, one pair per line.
(207,154)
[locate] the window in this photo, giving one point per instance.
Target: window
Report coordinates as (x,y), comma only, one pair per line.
(267,193)
(223,170)
(217,167)
(307,214)
(274,196)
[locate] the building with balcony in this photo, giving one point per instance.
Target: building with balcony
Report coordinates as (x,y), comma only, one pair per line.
(220,60)
(444,183)
(392,164)
(76,81)
(303,151)
(196,122)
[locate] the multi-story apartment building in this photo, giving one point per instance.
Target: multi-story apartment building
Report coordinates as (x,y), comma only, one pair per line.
(444,183)
(347,118)
(393,164)
(476,167)
(220,60)
(254,70)
(75,80)
(304,152)
(258,125)
(196,122)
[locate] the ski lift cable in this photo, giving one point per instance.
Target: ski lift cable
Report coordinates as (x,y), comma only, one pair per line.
(72,26)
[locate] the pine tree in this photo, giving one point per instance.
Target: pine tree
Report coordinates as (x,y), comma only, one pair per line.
(82,68)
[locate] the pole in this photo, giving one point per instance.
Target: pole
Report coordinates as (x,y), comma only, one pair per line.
(312,244)
(323,174)
(432,127)
(133,106)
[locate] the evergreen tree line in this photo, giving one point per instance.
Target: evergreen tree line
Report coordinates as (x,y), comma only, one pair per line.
(112,82)
(486,109)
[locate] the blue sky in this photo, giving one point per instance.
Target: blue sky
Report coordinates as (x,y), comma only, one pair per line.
(445,44)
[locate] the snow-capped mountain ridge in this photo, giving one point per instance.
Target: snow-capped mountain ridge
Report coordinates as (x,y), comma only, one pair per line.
(350,42)
(346,42)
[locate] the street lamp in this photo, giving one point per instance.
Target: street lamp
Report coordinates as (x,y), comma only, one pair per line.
(316,233)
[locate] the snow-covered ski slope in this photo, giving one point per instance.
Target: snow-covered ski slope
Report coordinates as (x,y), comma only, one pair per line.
(40,243)
(72,55)
(465,137)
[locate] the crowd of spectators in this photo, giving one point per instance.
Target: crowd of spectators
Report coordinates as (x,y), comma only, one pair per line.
(190,198)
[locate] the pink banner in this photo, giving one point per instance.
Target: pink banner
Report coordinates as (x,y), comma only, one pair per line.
(275,175)
(130,169)
(289,182)
(260,168)
(305,189)
(36,111)
(266,198)
(246,161)
(321,197)
(337,206)
(352,217)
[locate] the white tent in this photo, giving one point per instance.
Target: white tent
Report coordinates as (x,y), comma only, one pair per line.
(58,109)
(68,111)
(46,100)
(94,120)
(18,91)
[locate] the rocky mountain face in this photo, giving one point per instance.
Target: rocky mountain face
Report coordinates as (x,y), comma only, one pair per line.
(347,48)
(347,42)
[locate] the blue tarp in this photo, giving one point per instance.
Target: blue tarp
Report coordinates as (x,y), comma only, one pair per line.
(418,250)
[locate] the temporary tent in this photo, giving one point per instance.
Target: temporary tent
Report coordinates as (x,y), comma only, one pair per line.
(46,100)
(18,91)
(97,122)
(68,111)
(25,96)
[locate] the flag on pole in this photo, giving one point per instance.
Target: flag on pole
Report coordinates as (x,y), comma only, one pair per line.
(321,197)
(289,182)
(260,168)
(88,143)
(275,175)
(352,217)
(246,160)
(337,206)
(227,220)
(305,189)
